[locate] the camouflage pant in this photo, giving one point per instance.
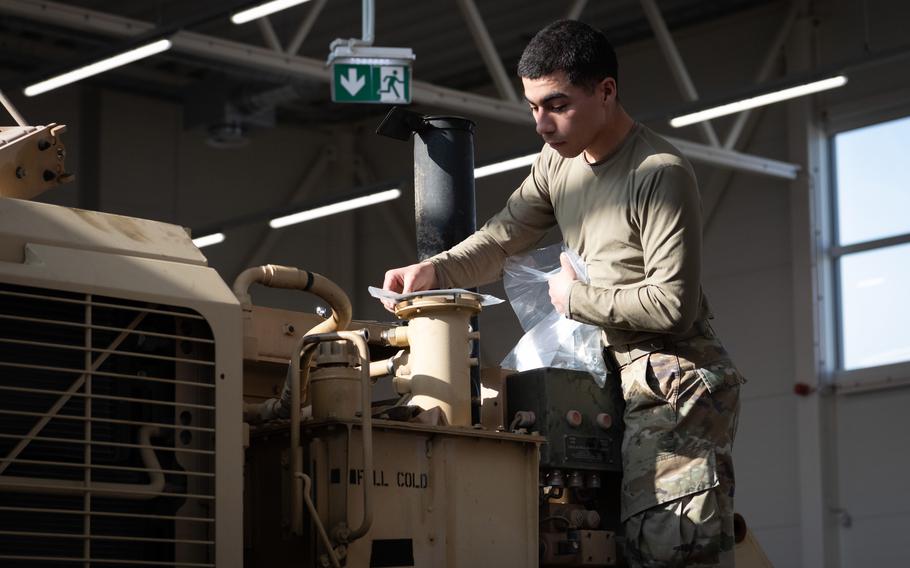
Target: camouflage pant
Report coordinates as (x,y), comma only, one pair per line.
(682,405)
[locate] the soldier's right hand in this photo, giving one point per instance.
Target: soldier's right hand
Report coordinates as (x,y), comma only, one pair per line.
(411,278)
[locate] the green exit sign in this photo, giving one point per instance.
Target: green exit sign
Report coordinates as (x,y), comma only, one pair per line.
(365,82)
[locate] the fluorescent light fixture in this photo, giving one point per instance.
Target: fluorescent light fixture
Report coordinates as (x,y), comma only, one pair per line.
(334,208)
(504,166)
(761,100)
(124,58)
(264,9)
(208,240)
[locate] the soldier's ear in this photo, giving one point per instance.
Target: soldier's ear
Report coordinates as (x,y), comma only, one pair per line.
(607,88)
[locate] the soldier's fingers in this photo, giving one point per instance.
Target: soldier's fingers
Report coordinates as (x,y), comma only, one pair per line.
(392,281)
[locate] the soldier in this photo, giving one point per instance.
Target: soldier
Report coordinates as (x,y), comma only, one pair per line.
(627,201)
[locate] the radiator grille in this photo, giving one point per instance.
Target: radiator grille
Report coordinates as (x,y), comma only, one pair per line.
(107,432)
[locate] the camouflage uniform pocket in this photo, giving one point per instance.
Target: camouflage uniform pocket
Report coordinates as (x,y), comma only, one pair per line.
(662,376)
(681,410)
(720,374)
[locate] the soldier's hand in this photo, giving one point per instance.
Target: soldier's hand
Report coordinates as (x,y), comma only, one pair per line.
(412,278)
(561,285)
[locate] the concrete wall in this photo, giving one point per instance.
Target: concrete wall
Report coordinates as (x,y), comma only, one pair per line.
(148,165)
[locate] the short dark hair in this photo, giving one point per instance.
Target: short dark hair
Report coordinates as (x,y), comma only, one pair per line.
(582,52)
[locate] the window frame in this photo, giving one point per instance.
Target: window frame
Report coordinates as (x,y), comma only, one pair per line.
(838,120)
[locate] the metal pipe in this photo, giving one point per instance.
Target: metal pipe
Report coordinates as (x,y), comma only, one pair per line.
(381,368)
(296,383)
(306,344)
(276,276)
(369,19)
(358,339)
(391,365)
(320,528)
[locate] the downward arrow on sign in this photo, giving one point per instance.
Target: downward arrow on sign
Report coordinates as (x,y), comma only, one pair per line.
(352,83)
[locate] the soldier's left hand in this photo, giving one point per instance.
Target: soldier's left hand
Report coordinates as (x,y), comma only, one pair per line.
(561,285)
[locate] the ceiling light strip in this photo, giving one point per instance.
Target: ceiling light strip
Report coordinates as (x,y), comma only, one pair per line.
(208,240)
(335,208)
(263,10)
(760,100)
(504,166)
(124,58)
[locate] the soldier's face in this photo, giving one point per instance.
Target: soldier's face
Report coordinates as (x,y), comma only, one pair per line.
(569,118)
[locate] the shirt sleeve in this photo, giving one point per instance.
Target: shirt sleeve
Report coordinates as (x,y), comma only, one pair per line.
(525,219)
(667,300)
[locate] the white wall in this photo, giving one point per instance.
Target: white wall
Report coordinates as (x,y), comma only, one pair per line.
(870,428)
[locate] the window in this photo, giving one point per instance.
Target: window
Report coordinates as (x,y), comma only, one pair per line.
(872,244)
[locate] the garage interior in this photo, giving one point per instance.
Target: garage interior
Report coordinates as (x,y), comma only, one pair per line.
(805,231)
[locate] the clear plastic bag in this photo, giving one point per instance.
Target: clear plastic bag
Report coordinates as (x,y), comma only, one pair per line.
(550,340)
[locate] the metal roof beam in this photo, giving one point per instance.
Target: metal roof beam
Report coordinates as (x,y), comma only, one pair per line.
(268,34)
(253,57)
(488,50)
(305,26)
(261,58)
(575,10)
(723,157)
(741,131)
(675,61)
(268,238)
(764,72)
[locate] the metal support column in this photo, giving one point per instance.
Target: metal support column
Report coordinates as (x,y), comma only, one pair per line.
(815,423)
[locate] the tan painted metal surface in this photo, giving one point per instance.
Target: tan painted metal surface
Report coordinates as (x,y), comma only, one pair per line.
(462,498)
(108,258)
(32,160)
(439,365)
(749,553)
(454,496)
(28,222)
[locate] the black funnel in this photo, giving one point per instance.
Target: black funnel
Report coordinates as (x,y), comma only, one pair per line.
(443,176)
(444,205)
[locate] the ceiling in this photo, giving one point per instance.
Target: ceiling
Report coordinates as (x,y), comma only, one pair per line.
(435,29)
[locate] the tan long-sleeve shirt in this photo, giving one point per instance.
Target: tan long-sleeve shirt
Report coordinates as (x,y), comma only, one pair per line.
(635,220)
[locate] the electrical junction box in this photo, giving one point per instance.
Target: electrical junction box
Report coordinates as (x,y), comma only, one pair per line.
(581,421)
